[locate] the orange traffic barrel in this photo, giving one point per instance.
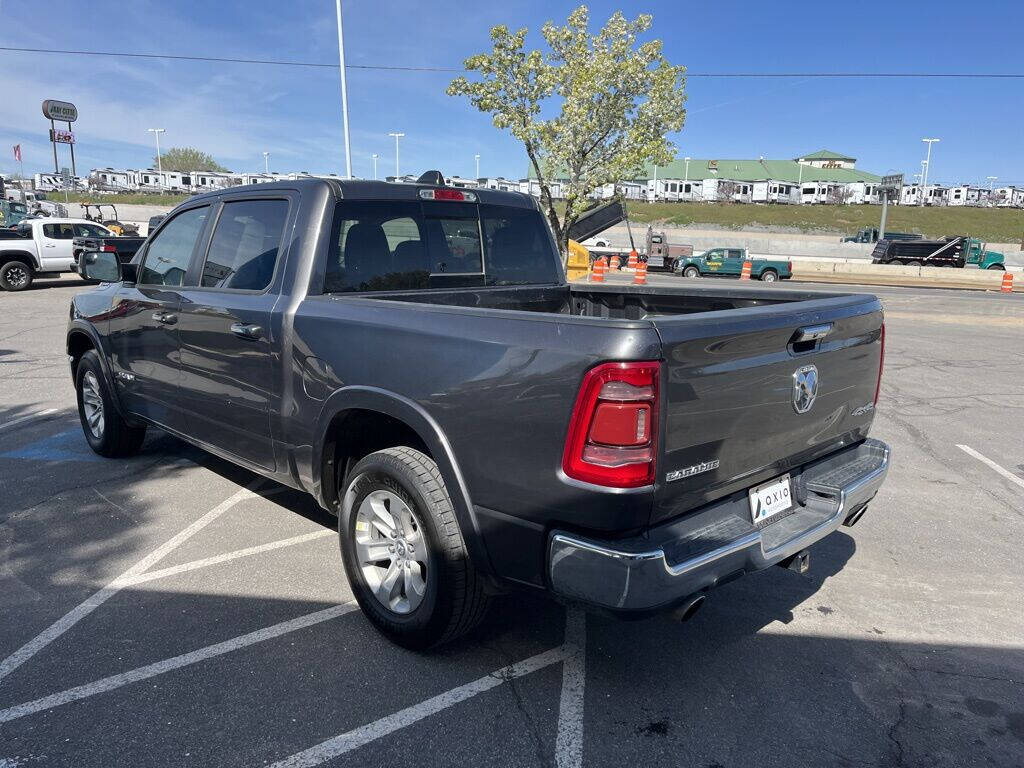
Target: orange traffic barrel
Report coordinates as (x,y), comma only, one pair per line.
(598,275)
(640,276)
(615,262)
(1007,286)
(633,259)
(745,272)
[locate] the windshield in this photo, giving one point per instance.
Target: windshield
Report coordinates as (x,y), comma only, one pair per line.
(399,245)
(19,208)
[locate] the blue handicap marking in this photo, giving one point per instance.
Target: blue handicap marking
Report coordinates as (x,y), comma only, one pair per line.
(64,446)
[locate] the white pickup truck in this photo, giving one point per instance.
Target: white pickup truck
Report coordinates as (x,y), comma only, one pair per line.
(41,248)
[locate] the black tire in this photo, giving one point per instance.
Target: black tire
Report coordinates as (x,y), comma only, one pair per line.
(1000,267)
(454,599)
(769,276)
(16,276)
(115,437)
(691,271)
(914,263)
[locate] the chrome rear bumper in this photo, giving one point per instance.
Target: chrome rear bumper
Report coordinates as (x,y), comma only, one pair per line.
(676,560)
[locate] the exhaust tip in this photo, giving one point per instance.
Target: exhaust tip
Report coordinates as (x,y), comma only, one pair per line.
(687,610)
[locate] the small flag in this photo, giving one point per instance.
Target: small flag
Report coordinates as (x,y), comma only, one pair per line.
(17,152)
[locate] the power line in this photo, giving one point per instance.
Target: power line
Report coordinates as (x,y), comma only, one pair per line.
(394,68)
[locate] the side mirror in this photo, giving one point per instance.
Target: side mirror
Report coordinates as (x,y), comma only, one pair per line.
(100,265)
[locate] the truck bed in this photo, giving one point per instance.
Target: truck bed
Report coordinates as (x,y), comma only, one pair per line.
(728,360)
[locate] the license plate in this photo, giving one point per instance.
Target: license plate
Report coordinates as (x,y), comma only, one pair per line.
(769,499)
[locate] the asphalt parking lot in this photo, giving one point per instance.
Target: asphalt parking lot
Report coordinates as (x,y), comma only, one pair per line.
(174,610)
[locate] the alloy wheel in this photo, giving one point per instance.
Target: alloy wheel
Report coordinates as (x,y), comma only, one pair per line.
(392,551)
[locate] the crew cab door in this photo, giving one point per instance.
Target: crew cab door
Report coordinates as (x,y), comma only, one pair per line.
(143,327)
(229,383)
(713,260)
(54,242)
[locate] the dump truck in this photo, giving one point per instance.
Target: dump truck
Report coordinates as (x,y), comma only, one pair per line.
(657,251)
(954,251)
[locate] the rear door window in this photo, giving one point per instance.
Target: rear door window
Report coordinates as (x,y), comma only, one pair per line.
(169,253)
(244,248)
(59,231)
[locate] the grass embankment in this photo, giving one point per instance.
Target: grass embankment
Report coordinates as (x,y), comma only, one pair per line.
(129,199)
(999,225)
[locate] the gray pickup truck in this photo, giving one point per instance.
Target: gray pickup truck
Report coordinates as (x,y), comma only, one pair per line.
(412,356)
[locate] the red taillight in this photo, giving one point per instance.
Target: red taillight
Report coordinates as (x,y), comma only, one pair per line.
(613,434)
(881,365)
(108,249)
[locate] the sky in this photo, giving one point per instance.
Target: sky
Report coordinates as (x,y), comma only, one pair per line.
(236,112)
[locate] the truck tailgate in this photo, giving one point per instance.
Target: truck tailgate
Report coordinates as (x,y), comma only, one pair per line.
(729,418)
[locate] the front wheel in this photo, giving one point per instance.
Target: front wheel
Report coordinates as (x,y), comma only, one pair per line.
(999,267)
(16,276)
(769,276)
(691,272)
(404,553)
(105,429)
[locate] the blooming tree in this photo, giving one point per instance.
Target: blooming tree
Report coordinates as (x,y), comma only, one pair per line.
(591,110)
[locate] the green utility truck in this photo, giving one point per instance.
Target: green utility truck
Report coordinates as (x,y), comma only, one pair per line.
(728,262)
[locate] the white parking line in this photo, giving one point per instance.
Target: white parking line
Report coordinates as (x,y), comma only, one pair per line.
(29,417)
(177,662)
(985,460)
(569,742)
(346,742)
(216,559)
(94,601)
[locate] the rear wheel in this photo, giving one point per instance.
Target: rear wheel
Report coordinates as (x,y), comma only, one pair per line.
(404,553)
(105,430)
(16,276)
(913,263)
(769,276)
(691,272)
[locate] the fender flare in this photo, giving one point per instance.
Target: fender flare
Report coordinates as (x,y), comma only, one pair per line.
(6,254)
(80,327)
(414,416)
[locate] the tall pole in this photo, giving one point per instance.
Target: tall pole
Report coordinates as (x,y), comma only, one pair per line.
(266,163)
(991,180)
(654,196)
(374,156)
(397,137)
(53,140)
(344,93)
(477,158)
(159,163)
(927,165)
(923,175)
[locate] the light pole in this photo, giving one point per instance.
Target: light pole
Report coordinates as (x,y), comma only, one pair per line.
(991,180)
(374,156)
(266,163)
(397,137)
(927,165)
(686,171)
(654,195)
(159,164)
(344,93)
(477,158)
(924,176)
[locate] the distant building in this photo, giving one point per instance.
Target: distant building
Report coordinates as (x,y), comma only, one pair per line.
(825,158)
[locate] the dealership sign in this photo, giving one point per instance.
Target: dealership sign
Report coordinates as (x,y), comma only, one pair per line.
(64,111)
(61,137)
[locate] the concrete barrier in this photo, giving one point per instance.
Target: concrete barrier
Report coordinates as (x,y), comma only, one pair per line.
(916,277)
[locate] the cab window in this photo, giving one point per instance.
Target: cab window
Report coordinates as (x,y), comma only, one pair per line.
(59,231)
(244,248)
(169,253)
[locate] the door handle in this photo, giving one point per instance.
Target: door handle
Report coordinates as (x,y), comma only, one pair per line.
(246,331)
(167,318)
